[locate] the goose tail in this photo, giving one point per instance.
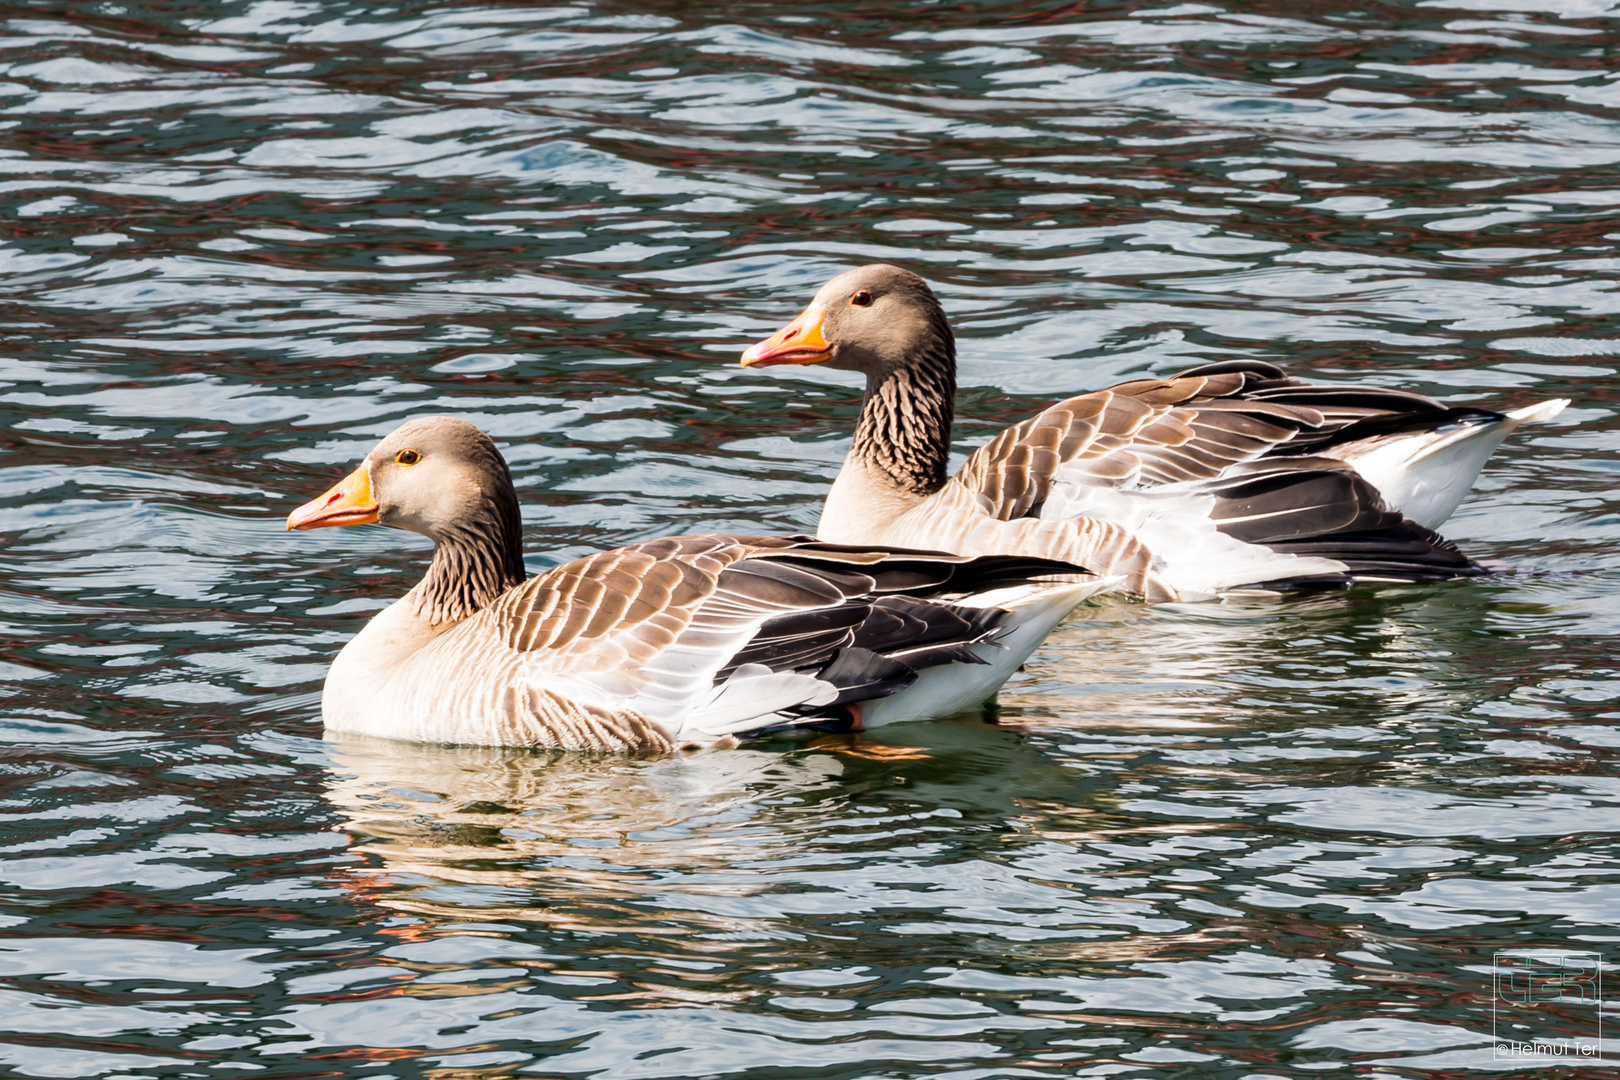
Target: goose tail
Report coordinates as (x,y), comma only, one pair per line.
(1425,475)
(1033,611)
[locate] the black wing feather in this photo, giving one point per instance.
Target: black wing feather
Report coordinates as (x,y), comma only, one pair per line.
(868,623)
(1333,513)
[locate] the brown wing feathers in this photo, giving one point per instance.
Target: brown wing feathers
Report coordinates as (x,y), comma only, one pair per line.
(1249,430)
(865,621)
(1150,431)
(649,588)
(1332,415)
(1192,426)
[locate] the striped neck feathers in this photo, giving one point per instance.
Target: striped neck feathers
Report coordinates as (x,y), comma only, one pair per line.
(474,562)
(905,426)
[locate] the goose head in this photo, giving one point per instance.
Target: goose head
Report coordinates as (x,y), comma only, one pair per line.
(875,319)
(435,475)
(443,478)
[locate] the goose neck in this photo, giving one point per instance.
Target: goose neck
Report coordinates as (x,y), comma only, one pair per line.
(904,431)
(474,562)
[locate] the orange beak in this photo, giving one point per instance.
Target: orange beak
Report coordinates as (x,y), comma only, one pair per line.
(799,342)
(349,503)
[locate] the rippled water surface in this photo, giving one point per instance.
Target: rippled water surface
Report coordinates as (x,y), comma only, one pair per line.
(241,240)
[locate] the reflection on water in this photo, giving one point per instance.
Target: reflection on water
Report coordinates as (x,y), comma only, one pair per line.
(1398,650)
(524,826)
(241,241)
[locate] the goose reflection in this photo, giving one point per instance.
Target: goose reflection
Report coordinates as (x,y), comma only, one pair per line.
(502,818)
(1359,656)
(575,840)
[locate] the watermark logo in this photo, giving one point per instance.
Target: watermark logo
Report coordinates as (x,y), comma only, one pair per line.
(1547,1007)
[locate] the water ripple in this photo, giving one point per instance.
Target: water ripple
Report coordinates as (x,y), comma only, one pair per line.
(241,243)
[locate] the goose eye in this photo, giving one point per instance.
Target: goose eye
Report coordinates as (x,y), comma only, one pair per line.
(861,299)
(407,457)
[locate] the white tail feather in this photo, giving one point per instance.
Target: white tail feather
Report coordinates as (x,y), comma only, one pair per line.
(1426,475)
(1542,410)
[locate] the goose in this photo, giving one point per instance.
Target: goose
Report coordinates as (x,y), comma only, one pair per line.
(1227,476)
(678,642)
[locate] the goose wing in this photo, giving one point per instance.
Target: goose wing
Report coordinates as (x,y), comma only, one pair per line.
(689,639)
(1190,427)
(1156,478)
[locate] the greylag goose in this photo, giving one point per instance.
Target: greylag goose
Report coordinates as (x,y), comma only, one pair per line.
(682,641)
(1224,476)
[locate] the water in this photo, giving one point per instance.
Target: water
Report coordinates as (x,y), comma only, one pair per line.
(244,240)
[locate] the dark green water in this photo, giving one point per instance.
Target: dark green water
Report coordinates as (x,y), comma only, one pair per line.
(240,241)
